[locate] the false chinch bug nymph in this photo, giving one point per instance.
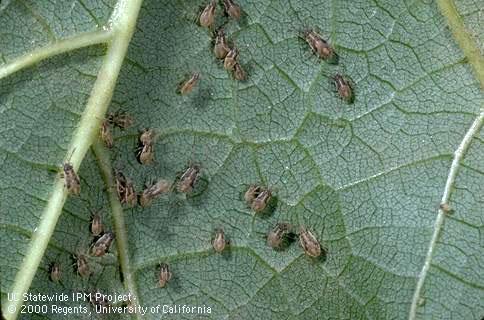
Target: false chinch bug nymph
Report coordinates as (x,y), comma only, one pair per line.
(122,120)
(188,179)
(260,202)
(102,245)
(319,46)
(72,182)
(221,48)
(82,265)
(207,17)
(130,195)
(252,193)
(188,85)
(276,236)
(55,272)
(231,59)
(232,9)
(153,191)
(96,225)
(446,208)
(106,134)
(121,182)
(309,243)
(125,190)
(219,241)
(164,275)
(258,198)
(239,72)
(344,88)
(145,150)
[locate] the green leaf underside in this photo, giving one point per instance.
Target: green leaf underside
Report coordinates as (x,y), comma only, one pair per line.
(367,178)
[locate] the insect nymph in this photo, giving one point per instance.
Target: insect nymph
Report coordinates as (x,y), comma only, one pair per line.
(55,272)
(82,266)
(153,191)
(319,46)
(164,275)
(72,182)
(106,134)
(309,243)
(125,189)
(232,9)
(101,246)
(276,237)
(261,201)
(145,151)
(188,179)
(96,225)
(345,90)
(187,86)
(231,59)
(207,17)
(221,48)
(219,242)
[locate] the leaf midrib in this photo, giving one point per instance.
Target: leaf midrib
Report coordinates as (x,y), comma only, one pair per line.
(471,51)
(121,28)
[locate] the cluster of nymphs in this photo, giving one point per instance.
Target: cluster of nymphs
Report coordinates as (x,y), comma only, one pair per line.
(120,120)
(101,243)
(279,237)
(325,52)
(257,199)
(102,240)
(127,194)
(145,154)
(222,50)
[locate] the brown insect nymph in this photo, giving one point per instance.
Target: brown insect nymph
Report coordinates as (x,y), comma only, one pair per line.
(145,151)
(261,201)
(252,193)
(319,46)
(164,276)
(231,59)
(82,266)
(153,191)
(188,179)
(344,88)
(96,225)
(187,86)
(232,9)
(207,17)
(106,134)
(102,245)
(125,190)
(276,236)
(221,48)
(239,72)
(55,272)
(121,120)
(72,182)
(219,242)
(309,243)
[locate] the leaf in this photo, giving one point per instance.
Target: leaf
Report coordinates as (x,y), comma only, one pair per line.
(366,178)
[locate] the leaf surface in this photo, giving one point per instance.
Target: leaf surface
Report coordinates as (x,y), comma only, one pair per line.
(366,178)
